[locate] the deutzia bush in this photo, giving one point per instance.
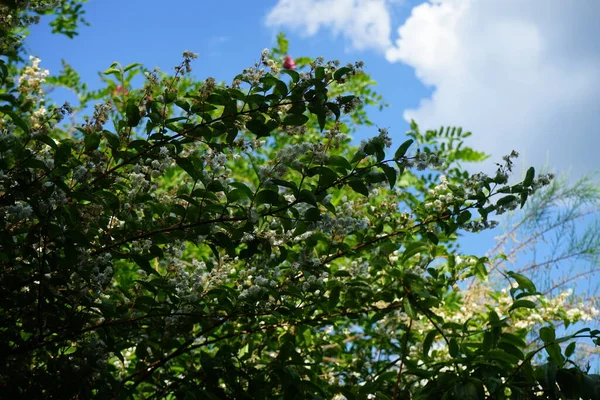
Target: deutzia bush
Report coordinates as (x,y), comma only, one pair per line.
(191,239)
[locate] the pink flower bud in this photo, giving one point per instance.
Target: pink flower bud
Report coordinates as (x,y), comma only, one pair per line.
(288,63)
(120,90)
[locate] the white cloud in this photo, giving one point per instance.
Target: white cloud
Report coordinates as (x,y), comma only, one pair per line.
(519,74)
(366,23)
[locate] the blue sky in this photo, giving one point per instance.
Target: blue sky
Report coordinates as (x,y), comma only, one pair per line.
(521,75)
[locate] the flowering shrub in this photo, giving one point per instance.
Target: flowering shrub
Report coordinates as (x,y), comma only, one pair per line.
(201,240)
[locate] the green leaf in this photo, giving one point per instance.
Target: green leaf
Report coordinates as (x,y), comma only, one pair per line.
(63,152)
(511,349)
(132,112)
(453,348)
(376,148)
(513,339)
(320,73)
(546,376)
(295,119)
(47,140)
(408,308)
(131,66)
(570,382)
(289,184)
(112,71)
(70,350)
(591,386)
(524,283)
(480,269)
(3,67)
(306,196)
(339,161)
(375,177)
(523,198)
(467,391)
(267,197)
(494,319)
(9,98)
(402,149)
(359,155)
(334,108)
(488,341)
(112,139)
(334,296)
(547,334)
(187,165)
(570,349)
(463,217)
(259,127)
(269,81)
(522,304)
(110,199)
(428,341)
(326,175)
(529,177)
(91,141)
(433,238)
(415,248)
(340,72)
(506,199)
(293,74)
(321,119)
(280,88)
(237,195)
(144,264)
(391,174)
(358,186)
(170,97)
(555,353)
(35,163)
(184,105)
(504,358)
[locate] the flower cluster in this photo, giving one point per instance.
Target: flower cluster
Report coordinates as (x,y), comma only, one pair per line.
(207,88)
(442,196)
(188,56)
(30,82)
(272,64)
(256,280)
(349,106)
(18,211)
(291,153)
(335,135)
(190,282)
(99,118)
(477,226)
(216,163)
(290,156)
(423,160)
(343,225)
